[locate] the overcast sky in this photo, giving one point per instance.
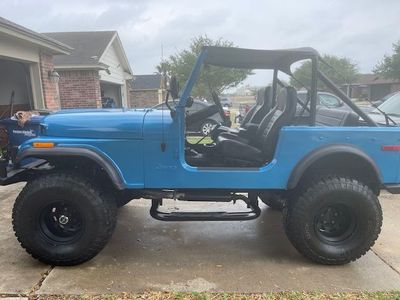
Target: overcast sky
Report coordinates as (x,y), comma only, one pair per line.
(362,30)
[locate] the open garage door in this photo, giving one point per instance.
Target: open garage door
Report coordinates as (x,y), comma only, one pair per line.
(110,95)
(14,79)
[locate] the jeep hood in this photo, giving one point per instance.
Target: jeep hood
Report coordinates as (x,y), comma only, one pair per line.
(95,123)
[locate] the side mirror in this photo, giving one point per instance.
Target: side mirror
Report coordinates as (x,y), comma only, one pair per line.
(173,87)
(189,102)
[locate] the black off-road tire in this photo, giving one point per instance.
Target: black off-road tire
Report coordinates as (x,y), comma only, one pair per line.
(63,219)
(122,201)
(354,210)
(274,199)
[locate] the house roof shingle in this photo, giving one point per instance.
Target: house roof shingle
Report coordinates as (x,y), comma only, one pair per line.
(146,82)
(41,39)
(88,47)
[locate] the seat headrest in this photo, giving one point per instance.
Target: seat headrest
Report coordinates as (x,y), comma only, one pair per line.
(281,99)
(260,96)
(268,93)
(287,97)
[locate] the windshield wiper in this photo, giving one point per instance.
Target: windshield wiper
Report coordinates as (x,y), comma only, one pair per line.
(386,115)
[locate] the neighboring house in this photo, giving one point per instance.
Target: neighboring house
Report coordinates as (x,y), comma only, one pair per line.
(97,68)
(146,90)
(372,87)
(26,67)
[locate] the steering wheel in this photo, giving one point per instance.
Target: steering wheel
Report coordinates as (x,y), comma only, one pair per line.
(216,100)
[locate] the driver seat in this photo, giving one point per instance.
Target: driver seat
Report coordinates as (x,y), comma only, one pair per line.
(259,150)
(253,117)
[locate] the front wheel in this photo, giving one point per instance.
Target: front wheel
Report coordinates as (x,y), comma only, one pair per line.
(207,127)
(63,219)
(335,221)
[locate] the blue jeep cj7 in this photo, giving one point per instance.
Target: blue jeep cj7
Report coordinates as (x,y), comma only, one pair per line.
(323,168)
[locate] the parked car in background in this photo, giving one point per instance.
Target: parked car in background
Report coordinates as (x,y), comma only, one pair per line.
(206,125)
(324,99)
(226,102)
(391,107)
(380,101)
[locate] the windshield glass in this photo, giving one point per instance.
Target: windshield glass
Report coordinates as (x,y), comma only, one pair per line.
(390,106)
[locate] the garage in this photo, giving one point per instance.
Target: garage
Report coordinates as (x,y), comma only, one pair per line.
(15,87)
(27,77)
(110,94)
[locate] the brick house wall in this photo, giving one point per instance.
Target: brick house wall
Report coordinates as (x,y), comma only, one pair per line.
(51,96)
(143,98)
(80,89)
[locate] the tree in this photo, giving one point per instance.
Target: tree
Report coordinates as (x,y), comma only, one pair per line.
(344,72)
(389,67)
(215,78)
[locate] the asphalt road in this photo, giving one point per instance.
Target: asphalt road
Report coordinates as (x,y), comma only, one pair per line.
(146,254)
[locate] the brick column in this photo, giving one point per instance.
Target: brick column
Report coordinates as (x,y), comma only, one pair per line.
(51,95)
(80,89)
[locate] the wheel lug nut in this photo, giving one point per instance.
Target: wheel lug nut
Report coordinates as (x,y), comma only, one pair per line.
(63,220)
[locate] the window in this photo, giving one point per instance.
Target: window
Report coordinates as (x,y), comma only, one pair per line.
(329,100)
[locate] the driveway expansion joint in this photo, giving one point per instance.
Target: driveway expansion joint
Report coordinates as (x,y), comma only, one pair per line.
(386,262)
(39,284)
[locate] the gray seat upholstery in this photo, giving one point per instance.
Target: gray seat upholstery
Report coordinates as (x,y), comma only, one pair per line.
(262,107)
(254,116)
(261,147)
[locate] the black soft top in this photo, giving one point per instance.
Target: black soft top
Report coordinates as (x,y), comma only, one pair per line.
(257,59)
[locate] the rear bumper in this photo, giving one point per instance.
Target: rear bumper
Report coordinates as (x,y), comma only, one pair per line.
(392,188)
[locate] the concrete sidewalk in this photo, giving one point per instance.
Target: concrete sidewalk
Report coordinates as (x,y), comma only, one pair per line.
(146,254)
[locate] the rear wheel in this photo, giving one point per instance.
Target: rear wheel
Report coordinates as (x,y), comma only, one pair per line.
(63,219)
(335,220)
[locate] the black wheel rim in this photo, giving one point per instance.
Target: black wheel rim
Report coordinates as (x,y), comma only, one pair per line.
(335,223)
(61,222)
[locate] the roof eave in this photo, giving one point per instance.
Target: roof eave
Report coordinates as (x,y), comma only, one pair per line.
(81,67)
(54,47)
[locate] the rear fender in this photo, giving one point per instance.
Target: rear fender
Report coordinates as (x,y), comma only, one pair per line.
(328,152)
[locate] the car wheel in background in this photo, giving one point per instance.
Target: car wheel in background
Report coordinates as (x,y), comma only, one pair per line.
(207,126)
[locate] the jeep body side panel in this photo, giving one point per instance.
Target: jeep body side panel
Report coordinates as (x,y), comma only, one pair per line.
(142,163)
(169,170)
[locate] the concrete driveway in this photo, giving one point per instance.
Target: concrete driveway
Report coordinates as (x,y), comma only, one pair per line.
(145,254)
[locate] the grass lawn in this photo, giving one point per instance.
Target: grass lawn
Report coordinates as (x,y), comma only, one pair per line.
(395,295)
(195,139)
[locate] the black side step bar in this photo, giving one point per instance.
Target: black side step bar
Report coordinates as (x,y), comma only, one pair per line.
(252,204)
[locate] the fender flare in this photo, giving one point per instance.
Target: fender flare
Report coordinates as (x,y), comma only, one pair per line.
(104,162)
(325,151)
